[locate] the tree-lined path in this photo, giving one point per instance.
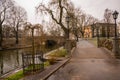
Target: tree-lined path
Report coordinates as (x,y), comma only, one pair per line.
(89,63)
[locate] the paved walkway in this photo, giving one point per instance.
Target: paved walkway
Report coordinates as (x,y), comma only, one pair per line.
(89,63)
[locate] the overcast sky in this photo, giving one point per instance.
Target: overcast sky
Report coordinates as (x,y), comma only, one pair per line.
(94,7)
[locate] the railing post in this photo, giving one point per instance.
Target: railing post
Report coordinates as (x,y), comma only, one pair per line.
(116,47)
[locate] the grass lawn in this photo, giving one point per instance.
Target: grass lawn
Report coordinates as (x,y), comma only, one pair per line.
(15,76)
(18,75)
(93,41)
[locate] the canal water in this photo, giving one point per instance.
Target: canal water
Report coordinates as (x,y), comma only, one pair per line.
(11,59)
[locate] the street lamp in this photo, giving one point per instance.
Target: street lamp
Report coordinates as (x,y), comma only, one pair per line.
(115,16)
(68,45)
(116,40)
(68,20)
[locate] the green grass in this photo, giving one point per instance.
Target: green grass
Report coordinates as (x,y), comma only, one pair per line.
(15,76)
(47,63)
(18,75)
(31,67)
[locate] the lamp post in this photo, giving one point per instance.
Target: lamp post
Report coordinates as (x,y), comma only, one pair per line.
(115,43)
(115,15)
(68,47)
(67,21)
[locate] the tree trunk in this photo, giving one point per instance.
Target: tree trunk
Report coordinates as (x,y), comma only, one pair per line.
(1,37)
(16,37)
(76,37)
(66,34)
(33,47)
(82,34)
(93,33)
(17,40)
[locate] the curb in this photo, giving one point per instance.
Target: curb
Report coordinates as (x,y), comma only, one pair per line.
(56,69)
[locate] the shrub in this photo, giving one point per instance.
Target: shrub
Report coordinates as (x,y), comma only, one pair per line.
(52,60)
(106,43)
(62,53)
(47,63)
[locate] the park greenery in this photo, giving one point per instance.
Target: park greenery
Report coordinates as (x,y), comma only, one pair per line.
(93,41)
(18,75)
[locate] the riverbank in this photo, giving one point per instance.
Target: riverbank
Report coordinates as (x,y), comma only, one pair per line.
(48,70)
(16,47)
(17,69)
(11,58)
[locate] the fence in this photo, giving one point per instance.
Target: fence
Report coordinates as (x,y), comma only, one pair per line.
(107,43)
(111,45)
(32,63)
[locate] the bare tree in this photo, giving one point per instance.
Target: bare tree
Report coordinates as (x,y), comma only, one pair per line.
(108,19)
(92,21)
(54,29)
(82,20)
(57,9)
(17,19)
(5,7)
(6,31)
(29,26)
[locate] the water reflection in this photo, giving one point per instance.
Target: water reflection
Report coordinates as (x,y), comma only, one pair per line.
(11,59)
(1,63)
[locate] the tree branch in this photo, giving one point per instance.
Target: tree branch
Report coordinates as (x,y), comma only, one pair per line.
(61,11)
(3,16)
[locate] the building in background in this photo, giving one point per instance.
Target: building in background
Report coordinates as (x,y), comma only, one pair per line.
(104,30)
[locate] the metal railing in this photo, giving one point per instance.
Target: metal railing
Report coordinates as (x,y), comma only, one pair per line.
(29,66)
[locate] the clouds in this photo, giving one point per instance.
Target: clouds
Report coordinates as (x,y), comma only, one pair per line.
(29,6)
(97,7)
(94,7)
